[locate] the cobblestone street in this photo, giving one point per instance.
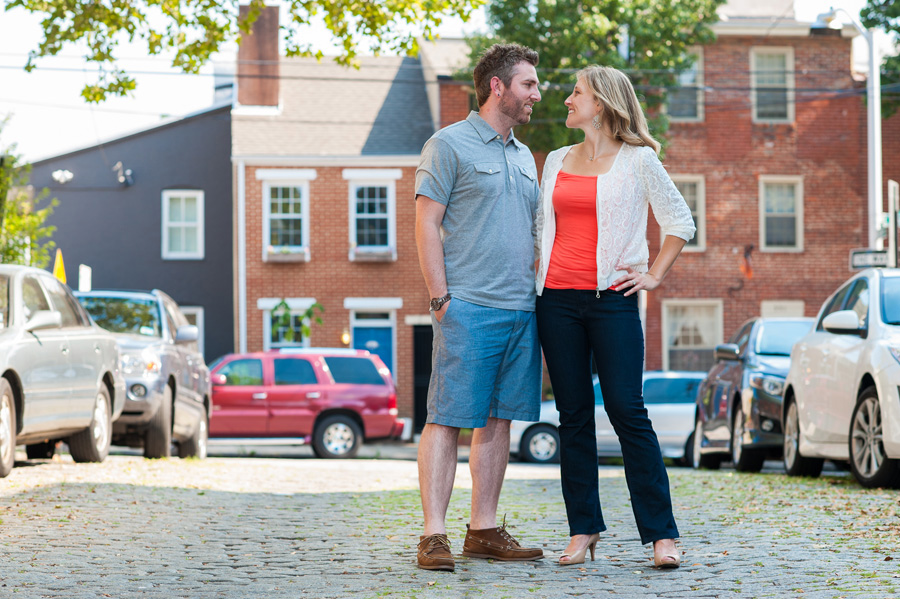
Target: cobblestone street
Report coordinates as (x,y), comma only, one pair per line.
(270,527)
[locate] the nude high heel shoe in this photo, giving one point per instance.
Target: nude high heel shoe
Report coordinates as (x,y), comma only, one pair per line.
(578,557)
(666,560)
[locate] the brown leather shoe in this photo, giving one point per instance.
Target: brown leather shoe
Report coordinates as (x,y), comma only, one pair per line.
(496,543)
(434,553)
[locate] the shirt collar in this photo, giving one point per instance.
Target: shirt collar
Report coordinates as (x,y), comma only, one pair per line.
(487,132)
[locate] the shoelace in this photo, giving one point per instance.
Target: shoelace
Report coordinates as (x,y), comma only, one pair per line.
(436,541)
(506,535)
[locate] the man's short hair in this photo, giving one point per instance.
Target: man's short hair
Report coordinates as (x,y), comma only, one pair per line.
(499,60)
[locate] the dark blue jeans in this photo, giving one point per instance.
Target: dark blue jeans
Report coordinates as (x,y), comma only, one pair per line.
(572,324)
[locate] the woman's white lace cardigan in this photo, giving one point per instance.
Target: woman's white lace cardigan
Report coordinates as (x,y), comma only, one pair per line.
(635,180)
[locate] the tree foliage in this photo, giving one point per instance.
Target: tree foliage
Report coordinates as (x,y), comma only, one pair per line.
(24,236)
(885,14)
(284,319)
(648,39)
(196,29)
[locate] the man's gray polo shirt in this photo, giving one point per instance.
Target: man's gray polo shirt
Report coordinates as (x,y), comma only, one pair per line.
(491,191)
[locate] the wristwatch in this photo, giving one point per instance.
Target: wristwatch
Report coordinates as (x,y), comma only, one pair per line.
(437,302)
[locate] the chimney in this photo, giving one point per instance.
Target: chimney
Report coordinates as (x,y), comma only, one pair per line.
(257,68)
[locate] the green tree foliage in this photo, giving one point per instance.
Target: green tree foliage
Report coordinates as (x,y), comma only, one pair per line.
(649,39)
(885,14)
(284,319)
(24,236)
(195,29)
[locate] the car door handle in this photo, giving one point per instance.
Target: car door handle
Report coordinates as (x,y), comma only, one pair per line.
(97,349)
(313,395)
(259,396)
(64,349)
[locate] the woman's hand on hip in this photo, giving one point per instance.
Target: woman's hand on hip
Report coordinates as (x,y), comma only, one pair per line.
(635,281)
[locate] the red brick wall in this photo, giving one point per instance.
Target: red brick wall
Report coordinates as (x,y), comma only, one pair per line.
(826,145)
(330,276)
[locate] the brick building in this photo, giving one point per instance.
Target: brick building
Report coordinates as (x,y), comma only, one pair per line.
(767,143)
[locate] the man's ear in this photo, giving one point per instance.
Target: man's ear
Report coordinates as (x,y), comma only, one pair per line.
(496,86)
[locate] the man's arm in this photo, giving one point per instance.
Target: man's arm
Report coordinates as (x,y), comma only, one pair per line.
(429,215)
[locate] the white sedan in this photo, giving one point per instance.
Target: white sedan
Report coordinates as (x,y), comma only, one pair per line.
(841,399)
(669,397)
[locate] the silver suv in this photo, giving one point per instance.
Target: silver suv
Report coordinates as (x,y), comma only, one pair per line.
(167,381)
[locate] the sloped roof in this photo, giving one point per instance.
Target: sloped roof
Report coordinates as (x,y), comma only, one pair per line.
(330,110)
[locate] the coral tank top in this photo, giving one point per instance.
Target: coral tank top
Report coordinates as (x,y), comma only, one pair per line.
(573,259)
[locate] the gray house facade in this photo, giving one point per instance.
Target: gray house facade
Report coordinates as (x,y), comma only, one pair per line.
(153,210)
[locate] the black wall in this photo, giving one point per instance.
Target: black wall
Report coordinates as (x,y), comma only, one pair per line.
(116,229)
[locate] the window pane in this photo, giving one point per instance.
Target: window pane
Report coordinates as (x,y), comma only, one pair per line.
(243,372)
(780,198)
(691,336)
(683,103)
(294,371)
(357,371)
(176,243)
(286,329)
(689,190)
(771,86)
(371,232)
(190,239)
(190,209)
(858,301)
(658,391)
(781,231)
(286,231)
(174,209)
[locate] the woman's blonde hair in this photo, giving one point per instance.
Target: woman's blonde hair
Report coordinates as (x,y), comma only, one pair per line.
(622,112)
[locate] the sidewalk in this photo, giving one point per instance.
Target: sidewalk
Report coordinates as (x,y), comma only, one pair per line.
(268,527)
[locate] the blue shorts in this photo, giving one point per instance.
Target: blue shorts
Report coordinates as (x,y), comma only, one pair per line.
(486,362)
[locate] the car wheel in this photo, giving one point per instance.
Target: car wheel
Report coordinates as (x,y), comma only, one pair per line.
(794,463)
(540,445)
(337,437)
(687,460)
(744,460)
(92,444)
(868,462)
(158,437)
(40,451)
(710,461)
(7,429)
(195,447)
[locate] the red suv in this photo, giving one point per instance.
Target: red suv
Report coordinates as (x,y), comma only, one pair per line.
(331,398)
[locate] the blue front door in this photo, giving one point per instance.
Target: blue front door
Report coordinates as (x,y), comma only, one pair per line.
(377,340)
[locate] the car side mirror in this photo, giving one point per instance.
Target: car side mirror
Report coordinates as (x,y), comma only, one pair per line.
(44,319)
(218,379)
(842,322)
(187,333)
(728,351)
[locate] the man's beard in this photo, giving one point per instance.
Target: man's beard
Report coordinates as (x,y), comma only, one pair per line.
(514,110)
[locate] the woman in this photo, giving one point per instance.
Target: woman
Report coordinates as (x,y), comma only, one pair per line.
(593,260)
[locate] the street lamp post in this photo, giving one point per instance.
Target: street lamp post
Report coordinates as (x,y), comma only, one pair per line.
(873,128)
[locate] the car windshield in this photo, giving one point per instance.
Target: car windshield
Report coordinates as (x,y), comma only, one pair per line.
(777,338)
(890,300)
(124,315)
(4,301)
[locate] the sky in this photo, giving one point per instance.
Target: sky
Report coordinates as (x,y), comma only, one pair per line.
(47,116)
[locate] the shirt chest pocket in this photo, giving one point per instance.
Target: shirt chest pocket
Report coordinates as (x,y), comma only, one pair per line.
(488,178)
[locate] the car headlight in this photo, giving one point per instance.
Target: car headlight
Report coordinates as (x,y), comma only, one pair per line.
(895,351)
(773,385)
(139,364)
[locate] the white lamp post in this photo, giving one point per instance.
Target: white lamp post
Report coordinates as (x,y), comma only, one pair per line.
(876,204)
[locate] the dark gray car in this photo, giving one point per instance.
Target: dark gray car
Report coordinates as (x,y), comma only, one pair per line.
(739,402)
(60,372)
(167,380)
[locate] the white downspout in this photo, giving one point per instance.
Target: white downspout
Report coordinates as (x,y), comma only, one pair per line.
(242,259)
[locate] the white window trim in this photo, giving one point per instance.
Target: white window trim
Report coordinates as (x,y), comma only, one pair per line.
(697,51)
(782,308)
(718,304)
(378,178)
(376,304)
(201,220)
(276,179)
(788,51)
(297,305)
(798,182)
(700,235)
(197,311)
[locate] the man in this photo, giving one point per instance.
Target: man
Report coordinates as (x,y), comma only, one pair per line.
(476,200)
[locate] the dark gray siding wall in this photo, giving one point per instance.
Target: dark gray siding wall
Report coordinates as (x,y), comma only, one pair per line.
(116,229)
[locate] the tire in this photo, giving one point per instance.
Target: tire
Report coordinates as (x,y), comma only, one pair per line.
(687,460)
(195,447)
(540,445)
(868,462)
(744,460)
(41,451)
(158,436)
(337,437)
(794,463)
(710,461)
(92,444)
(7,429)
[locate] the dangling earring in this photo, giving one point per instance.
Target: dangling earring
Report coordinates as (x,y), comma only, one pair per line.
(596,121)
